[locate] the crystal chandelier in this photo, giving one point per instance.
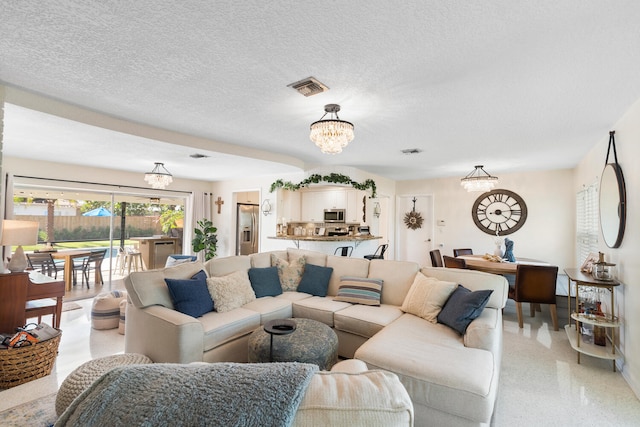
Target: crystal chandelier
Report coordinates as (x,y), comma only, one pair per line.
(479,180)
(331,135)
(159,177)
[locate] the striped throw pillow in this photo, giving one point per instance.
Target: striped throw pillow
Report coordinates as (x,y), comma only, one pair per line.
(359,290)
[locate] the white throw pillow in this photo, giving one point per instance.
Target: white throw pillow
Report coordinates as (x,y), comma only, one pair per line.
(427,296)
(231,291)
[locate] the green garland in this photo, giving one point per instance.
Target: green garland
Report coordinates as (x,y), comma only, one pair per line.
(334,178)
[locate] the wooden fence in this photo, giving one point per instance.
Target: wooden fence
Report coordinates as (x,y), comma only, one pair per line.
(71,223)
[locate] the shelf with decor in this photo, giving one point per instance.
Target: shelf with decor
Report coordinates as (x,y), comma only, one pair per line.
(604,324)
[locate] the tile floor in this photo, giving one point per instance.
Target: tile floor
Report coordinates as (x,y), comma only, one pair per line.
(540,384)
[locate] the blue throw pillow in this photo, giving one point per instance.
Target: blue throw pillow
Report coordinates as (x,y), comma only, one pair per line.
(315,280)
(265,281)
(462,307)
(191,296)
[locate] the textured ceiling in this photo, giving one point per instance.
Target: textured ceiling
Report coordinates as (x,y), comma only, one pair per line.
(514,85)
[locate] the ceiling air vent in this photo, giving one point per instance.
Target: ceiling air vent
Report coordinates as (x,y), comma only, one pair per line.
(198,156)
(309,86)
(409,151)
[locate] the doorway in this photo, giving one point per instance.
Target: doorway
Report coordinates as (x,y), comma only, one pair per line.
(414,244)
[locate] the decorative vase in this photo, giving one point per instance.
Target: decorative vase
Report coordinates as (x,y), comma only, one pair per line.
(498,250)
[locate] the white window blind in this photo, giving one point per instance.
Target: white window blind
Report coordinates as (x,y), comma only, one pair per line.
(586,222)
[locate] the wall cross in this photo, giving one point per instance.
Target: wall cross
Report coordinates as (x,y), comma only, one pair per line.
(219,202)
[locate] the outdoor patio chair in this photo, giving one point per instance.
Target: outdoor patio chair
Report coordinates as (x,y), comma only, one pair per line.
(44,263)
(92,262)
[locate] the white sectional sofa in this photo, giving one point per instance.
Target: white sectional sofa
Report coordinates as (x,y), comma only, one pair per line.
(452,379)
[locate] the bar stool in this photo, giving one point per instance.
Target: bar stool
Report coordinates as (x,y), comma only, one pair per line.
(344,251)
(128,258)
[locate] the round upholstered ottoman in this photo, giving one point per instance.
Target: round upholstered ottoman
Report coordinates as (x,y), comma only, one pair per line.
(311,342)
(123,313)
(84,375)
(105,310)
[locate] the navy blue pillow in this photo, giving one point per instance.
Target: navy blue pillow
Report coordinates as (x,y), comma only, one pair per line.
(315,280)
(265,281)
(191,296)
(462,307)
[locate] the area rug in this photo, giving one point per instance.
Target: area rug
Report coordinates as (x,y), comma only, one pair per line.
(37,413)
(68,306)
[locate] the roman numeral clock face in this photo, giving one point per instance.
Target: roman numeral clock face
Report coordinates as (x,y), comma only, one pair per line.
(499,212)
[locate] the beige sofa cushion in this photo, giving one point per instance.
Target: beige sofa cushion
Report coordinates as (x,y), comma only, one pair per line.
(345,266)
(227,265)
(417,351)
(312,257)
(270,308)
(148,287)
(318,308)
(398,277)
(263,259)
(474,281)
(220,328)
(426,297)
(371,398)
(365,321)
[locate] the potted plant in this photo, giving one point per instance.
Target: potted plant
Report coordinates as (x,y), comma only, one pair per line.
(205,239)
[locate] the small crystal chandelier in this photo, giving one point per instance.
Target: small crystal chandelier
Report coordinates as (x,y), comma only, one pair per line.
(479,180)
(331,135)
(159,177)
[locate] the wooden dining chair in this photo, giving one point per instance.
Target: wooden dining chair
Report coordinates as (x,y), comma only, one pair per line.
(436,258)
(535,284)
(451,262)
(466,251)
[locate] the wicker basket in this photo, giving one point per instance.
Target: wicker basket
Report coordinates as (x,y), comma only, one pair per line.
(24,364)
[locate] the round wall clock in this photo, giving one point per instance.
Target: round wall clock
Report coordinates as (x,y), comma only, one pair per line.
(499,212)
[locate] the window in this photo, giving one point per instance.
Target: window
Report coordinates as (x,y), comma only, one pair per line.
(586,222)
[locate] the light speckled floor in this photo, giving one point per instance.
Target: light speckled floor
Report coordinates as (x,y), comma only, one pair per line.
(541,382)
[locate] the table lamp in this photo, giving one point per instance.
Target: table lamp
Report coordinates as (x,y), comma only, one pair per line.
(18,233)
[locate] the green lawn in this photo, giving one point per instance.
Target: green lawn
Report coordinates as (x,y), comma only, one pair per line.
(81,245)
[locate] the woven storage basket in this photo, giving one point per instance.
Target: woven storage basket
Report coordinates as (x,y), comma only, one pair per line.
(24,364)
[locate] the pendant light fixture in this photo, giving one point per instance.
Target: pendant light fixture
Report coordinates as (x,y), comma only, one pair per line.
(159,177)
(479,180)
(332,134)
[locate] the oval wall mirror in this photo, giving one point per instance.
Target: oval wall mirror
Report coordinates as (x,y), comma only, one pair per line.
(613,201)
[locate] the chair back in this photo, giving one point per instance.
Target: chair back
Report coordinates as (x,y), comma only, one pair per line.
(451,262)
(43,262)
(382,249)
(96,257)
(436,258)
(465,251)
(343,251)
(535,283)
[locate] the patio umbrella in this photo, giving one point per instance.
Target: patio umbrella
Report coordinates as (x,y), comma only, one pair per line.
(98,212)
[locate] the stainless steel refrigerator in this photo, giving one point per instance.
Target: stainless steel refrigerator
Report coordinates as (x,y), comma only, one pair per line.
(247,229)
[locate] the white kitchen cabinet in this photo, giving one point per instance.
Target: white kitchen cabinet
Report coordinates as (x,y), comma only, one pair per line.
(355,205)
(314,202)
(288,205)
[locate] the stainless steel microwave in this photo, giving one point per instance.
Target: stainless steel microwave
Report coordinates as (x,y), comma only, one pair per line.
(334,215)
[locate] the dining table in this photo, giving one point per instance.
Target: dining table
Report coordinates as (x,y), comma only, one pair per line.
(68,256)
(480,263)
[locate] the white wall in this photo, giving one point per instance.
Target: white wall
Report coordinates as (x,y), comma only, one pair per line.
(548,233)
(626,257)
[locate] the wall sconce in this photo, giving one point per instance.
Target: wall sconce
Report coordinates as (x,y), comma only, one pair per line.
(376,210)
(266,207)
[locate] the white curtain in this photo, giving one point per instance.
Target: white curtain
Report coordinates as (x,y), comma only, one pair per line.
(200,205)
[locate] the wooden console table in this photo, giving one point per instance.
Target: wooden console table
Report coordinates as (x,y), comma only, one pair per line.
(16,289)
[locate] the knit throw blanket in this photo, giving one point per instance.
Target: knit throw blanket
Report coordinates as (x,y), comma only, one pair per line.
(217,394)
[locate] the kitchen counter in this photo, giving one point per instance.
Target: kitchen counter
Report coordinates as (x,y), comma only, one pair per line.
(298,239)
